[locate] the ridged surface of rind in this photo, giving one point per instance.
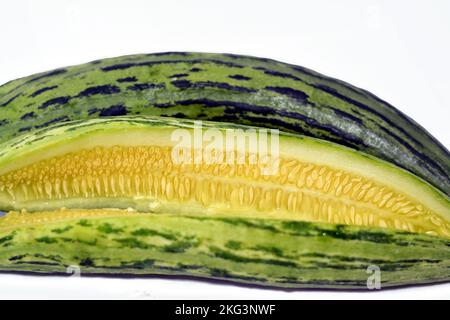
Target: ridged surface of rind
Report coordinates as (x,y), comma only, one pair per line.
(286,254)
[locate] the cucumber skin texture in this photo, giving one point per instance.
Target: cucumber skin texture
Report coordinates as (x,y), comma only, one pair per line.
(224,87)
(273,253)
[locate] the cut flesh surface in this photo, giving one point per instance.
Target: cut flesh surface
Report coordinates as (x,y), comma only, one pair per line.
(129,163)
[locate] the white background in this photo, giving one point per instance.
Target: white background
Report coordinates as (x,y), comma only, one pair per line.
(399,50)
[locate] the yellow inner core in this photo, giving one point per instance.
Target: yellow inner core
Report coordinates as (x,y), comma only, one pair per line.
(300,190)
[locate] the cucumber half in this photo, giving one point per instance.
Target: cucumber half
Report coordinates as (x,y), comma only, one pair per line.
(120,196)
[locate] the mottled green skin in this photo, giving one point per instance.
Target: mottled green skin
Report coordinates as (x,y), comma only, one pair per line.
(232,88)
(287,254)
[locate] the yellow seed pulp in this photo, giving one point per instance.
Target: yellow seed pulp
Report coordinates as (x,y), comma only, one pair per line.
(300,190)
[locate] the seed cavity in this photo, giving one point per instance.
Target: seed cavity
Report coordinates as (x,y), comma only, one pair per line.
(301,190)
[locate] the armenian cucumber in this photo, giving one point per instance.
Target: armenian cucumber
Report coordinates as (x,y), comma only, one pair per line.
(219,166)
(224,87)
(110,195)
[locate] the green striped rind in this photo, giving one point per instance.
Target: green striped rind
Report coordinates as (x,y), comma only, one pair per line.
(277,253)
(232,88)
